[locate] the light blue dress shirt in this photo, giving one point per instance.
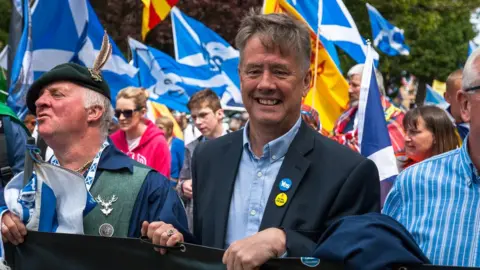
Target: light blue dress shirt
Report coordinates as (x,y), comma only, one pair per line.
(438,200)
(253,184)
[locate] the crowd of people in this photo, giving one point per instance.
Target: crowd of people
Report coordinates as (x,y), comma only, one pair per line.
(271,182)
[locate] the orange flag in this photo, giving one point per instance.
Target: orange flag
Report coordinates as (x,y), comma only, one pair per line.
(155,11)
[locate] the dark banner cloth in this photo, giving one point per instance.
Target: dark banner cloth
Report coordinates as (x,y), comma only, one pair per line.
(47,251)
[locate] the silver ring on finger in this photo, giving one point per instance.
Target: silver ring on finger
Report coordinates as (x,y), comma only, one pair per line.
(4,227)
(170,232)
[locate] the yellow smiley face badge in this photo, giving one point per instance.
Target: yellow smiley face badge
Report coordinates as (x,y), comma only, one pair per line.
(281,199)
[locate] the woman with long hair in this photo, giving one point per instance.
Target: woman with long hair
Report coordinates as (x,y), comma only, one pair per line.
(429,132)
(138,137)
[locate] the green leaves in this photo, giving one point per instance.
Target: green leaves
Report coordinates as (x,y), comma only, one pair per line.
(437,32)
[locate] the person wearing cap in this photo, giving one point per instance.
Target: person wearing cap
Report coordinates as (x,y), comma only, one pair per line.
(73,108)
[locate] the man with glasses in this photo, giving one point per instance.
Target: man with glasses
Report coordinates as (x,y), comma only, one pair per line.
(207,115)
(437,200)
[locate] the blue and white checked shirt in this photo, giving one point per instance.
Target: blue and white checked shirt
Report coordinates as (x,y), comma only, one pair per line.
(438,201)
(253,184)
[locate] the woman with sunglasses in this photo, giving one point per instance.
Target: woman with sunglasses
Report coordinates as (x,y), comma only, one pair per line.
(139,137)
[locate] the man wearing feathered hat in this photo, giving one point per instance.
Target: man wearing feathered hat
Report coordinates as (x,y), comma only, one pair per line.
(73,108)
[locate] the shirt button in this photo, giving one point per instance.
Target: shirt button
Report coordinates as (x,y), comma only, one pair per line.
(253,212)
(274,157)
(259,174)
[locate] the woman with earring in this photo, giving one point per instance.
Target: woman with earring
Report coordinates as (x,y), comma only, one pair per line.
(138,137)
(429,132)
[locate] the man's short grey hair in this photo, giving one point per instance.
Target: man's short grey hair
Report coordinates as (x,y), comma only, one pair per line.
(358,70)
(93,98)
(276,31)
(471,71)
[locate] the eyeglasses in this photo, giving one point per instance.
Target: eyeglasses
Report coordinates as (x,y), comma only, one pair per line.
(126,113)
(472,88)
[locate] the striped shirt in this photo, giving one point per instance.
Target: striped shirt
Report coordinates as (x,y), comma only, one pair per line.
(438,201)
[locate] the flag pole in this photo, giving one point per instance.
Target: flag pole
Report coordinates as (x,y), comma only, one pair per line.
(317,44)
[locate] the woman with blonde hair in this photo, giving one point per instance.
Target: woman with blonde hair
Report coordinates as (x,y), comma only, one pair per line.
(138,137)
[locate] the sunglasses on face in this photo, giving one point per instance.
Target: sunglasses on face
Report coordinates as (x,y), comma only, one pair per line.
(126,113)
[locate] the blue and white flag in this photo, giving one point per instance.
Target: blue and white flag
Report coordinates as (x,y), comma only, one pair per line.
(48,203)
(432,97)
(472,46)
(21,75)
(386,37)
(161,75)
(69,31)
(198,46)
(373,137)
(336,25)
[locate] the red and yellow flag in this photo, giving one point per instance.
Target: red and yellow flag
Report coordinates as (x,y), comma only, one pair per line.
(155,11)
(155,110)
(329,92)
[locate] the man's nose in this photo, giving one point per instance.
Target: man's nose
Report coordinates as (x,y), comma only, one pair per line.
(42,101)
(266,81)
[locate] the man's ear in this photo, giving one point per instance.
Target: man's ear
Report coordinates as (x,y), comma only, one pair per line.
(465,105)
(306,83)
(446,96)
(220,114)
(94,113)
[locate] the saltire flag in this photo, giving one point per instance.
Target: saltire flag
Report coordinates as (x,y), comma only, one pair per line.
(386,37)
(329,93)
(21,75)
(48,203)
(168,81)
(198,46)
(472,46)
(155,110)
(374,140)
(432,97)
(336,25)
(70,31)
(154,12)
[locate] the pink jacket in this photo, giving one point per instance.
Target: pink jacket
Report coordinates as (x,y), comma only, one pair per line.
(152,150)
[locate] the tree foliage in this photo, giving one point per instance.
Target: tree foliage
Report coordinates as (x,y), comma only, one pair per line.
(437,32)
(5,10)
(123,18)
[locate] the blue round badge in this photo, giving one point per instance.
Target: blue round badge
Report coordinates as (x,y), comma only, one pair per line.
(310,261)
(285,184)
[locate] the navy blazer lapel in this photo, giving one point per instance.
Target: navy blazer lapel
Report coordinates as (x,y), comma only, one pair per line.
(293,167)
(224,180)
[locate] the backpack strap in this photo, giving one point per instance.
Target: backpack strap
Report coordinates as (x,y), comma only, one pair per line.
(6,158)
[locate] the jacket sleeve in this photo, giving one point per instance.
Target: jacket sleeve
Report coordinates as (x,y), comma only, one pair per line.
(156,201)
(359,194)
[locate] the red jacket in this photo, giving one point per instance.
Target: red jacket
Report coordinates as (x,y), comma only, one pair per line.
(152,149)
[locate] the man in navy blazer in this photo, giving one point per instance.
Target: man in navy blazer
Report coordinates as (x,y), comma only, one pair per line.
(271,189)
